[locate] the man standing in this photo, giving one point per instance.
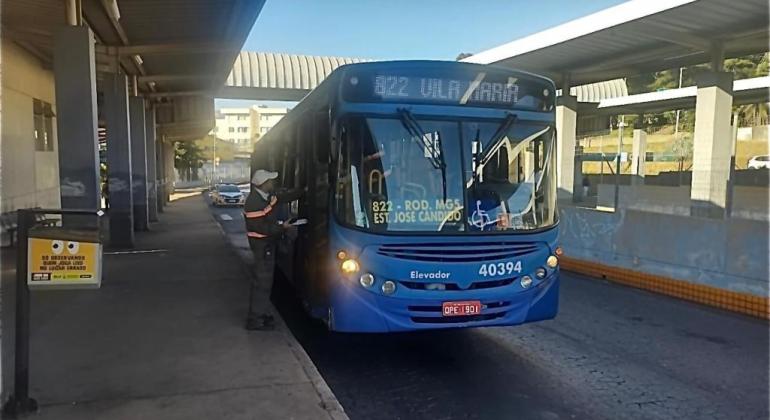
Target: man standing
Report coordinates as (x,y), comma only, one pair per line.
(263,230)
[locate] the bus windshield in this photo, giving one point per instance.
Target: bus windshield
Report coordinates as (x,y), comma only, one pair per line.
(445,176)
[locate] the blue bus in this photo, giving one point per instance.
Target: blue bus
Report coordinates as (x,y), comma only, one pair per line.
(432,196)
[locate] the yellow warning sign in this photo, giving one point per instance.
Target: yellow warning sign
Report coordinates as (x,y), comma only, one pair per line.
(63,263)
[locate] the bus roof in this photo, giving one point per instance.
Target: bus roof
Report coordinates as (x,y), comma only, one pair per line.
(328,91)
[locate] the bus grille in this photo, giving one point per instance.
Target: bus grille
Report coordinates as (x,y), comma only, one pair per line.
(461,252)
(486,284)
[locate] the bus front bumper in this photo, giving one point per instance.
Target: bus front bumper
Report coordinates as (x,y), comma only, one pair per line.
(354,309)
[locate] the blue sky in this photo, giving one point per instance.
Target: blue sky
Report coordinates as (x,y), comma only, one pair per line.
(404,29)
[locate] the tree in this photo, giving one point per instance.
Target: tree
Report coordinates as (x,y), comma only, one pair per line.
(462,56)
(755,65)
(683,150)
(746,67)
(187,159)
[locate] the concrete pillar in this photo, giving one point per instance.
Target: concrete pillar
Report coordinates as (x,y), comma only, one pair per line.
(731,176)
(566,131)
(168,164)
(161,175)
(712,145)
(152,189)
(76,123)
(138,163)
(119,160)
(638,153)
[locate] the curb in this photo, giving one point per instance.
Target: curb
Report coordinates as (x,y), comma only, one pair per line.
(329,401)
(742,303)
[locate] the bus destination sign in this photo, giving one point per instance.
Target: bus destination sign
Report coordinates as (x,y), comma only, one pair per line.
(447,90)
(492,88)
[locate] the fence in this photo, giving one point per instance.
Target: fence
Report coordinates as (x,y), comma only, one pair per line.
(667,163)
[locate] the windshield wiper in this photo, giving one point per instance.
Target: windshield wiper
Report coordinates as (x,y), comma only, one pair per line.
(418,135)
(436,157)
(480,160)
(499,135)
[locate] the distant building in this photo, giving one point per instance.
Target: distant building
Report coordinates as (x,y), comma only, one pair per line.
(244,126)
(269,117)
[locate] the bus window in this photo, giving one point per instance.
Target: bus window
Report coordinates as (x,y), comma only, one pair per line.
(346,183)
(395,180)
(322,138)
(507,187)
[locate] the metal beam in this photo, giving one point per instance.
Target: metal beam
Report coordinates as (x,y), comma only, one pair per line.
(665,34)
(172,48)
(179,93)
(17,33)
(174,77)
(263,94)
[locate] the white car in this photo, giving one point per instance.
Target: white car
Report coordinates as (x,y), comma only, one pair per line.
(760,162)
(228,195)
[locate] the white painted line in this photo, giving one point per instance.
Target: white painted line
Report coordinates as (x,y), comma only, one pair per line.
(226,217)
(145,251)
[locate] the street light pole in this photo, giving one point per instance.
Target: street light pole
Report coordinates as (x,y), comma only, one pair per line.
(676,126)
(621,126)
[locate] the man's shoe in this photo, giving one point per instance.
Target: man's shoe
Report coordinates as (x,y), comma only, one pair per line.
(268,321)
(260,323)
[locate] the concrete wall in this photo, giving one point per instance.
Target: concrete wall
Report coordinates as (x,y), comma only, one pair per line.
(749,202)
(751,133)
(730,254)
(28,178)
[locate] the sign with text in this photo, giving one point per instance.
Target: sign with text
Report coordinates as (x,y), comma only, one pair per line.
(63,263)
(441,83)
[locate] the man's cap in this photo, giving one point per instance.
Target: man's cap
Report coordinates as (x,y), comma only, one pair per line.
(261,176)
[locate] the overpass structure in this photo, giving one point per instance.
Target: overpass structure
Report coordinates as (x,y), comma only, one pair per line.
(271,76)
(278,77)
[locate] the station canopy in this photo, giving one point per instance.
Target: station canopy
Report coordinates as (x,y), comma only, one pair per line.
(636,37)
(745,91)
(180,51)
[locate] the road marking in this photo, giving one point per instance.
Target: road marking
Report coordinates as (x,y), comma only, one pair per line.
(226,217)
(145,251)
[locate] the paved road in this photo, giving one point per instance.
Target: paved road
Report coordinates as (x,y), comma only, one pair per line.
(612,353)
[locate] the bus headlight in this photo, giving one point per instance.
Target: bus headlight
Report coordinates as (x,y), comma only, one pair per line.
(388,287)
(552,261)
(540,273)
(350,266)
(526,281)
(366,280)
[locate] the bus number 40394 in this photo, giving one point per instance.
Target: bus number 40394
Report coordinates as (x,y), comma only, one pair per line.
(499,269)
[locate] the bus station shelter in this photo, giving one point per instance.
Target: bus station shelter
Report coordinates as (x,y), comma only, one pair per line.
(645,36)
(134,76)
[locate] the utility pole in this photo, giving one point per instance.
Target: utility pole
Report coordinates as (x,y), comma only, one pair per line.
(676,126)
(621,126)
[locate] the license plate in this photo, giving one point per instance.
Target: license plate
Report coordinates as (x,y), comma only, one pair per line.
(232,201)
(471,307)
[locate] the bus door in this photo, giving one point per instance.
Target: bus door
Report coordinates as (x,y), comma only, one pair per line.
(290,167)
(312,242)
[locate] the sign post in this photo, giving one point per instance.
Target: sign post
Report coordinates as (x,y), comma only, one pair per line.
(20,402)
(45,260)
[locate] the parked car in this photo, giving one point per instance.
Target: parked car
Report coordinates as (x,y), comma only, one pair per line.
(228,195)
(760,162)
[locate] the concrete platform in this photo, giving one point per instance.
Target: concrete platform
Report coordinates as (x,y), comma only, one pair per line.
(163,337)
